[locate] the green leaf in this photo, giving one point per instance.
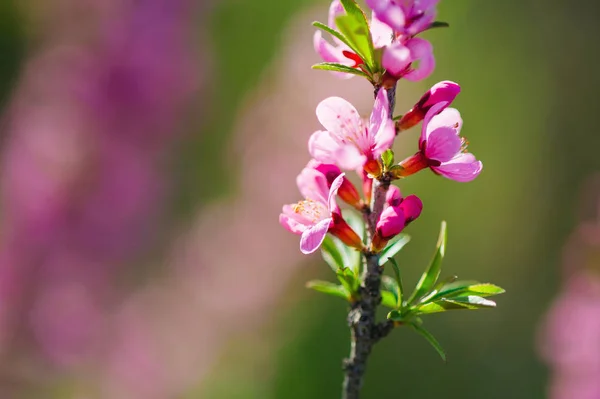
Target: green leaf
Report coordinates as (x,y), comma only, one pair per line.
(396,315)
(430,276)
(333,253)
(439,24)
(471,302)
(398,280)
(355,28)
(431,339)
(334,33)
(388,159)
(467,288)
(397,117)
(329,288)
(393,247)
(348,279)
(388,299)
(332,66)
(389,284)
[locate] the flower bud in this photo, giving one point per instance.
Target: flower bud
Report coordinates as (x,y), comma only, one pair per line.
(411,207)
(391,222)
(445,91)
(342,230)
(393,197)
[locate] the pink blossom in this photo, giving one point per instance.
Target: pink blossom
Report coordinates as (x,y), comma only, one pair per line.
(407,17)
(442,92)
(441,147)
(399,57)
(339,53)
(347,192)
(318,213)
(348,142)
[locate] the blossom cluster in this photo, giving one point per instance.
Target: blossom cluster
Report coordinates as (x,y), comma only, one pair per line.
(348,142)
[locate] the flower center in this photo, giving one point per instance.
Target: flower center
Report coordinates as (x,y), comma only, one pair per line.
(313,211)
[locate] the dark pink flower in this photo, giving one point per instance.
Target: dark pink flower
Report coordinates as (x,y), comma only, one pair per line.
(397,214)
(399,57)
(406,17)
(441,148)
(442,92)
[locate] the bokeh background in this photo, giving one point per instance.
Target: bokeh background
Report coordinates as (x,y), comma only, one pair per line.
(146,149)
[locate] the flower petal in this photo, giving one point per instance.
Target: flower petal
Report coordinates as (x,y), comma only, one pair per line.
(382,33)
(333,192)
(396,58)
(348,157)
(313,185)
(322,146)
(331,53)
(449,117)
(443,144)
(313,236)
(336,9)
(412,207)
(381,128)
(340,117)
(391,222)
(433,111)
(463,168)
(421,50)
(389,13)
(393,197)
(289,222)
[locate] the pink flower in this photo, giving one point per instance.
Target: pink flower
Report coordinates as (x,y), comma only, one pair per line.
(347,192)
(339,53)
(348,142)
(399,57)
(397,214)
(318,214)
(441,147)
(442,92)
(407,17)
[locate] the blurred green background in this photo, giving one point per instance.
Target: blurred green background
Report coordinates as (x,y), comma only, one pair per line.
(528,71)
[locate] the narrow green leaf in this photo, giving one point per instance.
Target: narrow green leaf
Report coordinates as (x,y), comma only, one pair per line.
(431,339)
(439,24)
(355,28)
(389,284)
(332,253)
(393,247)
(396,315)
(353,10)
(388,158)
(431,274)
(329,288)
(332,66)
(346,280)
(471,302)
(397,117)
(398,281)
(467,288)
(388,299)
(334,33)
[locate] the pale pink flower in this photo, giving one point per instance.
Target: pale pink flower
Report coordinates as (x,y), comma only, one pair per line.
(348,142)
(441,147)
(318,213)
(339,53)
(406,17)
(442,92)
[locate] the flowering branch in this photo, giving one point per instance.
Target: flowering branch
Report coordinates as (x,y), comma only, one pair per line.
(383,51)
